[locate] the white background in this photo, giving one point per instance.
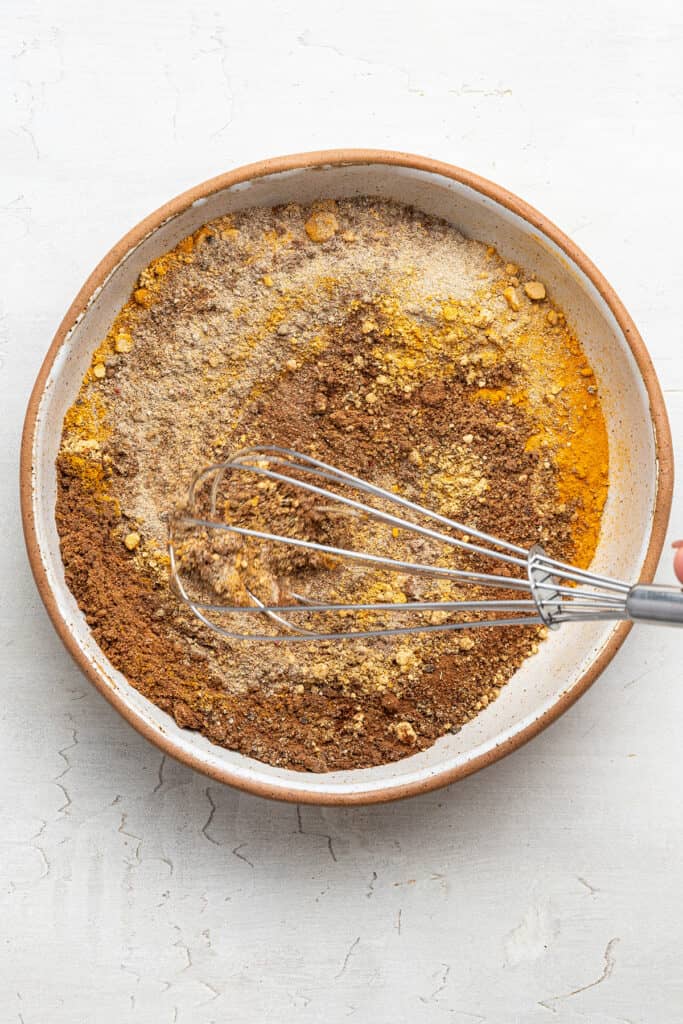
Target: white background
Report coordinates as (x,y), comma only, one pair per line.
(547,888)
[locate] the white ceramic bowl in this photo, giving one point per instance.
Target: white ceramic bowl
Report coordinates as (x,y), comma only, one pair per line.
(640,455)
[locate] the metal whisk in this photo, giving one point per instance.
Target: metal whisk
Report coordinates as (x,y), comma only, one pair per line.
(552,592)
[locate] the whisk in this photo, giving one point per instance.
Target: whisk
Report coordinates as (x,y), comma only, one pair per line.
(551,592)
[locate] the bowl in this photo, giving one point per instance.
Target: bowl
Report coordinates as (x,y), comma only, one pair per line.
(641,473)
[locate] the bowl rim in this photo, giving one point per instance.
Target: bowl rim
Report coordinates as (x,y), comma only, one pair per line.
(299,161)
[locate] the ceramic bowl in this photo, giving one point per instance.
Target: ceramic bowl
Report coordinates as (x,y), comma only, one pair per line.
(640,455)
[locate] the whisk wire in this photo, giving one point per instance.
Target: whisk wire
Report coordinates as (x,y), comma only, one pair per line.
(337,476)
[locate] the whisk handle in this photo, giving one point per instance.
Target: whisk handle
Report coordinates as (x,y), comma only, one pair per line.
(651,603)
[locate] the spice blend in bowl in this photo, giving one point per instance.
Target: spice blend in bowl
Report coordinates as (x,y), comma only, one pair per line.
(379,339)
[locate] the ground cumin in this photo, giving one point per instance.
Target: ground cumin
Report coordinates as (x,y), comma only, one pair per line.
(378,339)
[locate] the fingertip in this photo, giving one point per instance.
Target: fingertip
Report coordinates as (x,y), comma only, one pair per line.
(678,561)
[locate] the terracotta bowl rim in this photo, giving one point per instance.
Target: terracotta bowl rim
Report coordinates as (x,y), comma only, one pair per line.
(340,157)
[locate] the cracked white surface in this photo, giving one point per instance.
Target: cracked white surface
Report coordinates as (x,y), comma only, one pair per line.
(548,887)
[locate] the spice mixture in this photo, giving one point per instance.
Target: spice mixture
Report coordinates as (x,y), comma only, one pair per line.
(377,339)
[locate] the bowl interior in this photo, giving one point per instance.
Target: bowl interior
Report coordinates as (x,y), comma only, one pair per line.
(568,653)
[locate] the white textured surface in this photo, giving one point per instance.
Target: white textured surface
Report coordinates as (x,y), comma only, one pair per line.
(546,888)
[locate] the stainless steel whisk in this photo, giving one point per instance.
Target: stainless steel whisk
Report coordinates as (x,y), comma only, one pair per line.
(554,592)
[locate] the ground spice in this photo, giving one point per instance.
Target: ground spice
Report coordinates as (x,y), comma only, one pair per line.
(382,341)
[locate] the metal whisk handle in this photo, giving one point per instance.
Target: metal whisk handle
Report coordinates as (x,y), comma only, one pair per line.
(652,603)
